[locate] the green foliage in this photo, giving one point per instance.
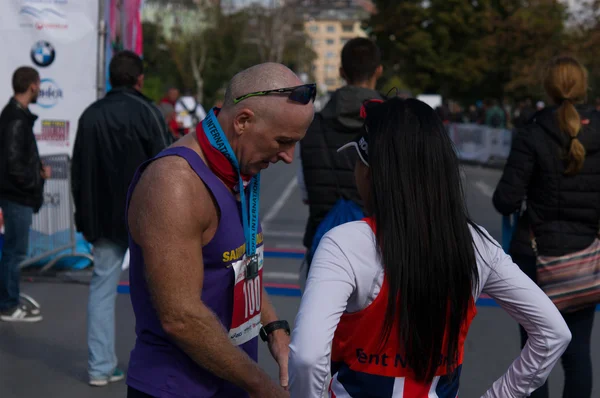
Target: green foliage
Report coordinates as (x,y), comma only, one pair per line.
(470,50)
(429,45)
(153,88)
(159,68)
(225,45)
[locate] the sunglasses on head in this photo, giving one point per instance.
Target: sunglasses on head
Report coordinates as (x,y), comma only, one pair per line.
(302,94)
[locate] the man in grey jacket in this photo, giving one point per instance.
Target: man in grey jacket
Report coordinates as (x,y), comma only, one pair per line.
(328,175)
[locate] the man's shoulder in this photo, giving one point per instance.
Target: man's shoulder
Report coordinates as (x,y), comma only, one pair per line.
(12,113)
(169,172)
(116,100)
(167,183)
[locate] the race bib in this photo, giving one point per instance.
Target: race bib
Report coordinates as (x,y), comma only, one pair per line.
(247,301)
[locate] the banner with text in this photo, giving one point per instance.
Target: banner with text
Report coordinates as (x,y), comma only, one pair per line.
(59,38)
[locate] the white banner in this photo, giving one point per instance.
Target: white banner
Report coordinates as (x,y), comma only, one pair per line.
(479,143)
(59,39)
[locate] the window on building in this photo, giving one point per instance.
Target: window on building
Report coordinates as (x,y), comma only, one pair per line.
(330,54)
(347,28)
(313,28)
(330,81)
(316,43)
(344,40)
(329,69)
(331,28)
(330,42)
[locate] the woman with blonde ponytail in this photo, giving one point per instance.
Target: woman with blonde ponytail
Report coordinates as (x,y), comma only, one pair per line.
(565,82)
(554,166)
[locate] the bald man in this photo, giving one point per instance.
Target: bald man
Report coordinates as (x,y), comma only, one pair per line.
(197,250)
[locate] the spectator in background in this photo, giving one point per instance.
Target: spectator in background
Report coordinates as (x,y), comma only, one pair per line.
(554,166)
(494,115)
(115,135)
(328,175)
(189,112)
(522,113)
(472,115)
(167,103)
(22,178)
(167,108)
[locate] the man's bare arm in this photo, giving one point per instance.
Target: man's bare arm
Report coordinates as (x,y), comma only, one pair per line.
(170,212)
(267,311)
(279,340)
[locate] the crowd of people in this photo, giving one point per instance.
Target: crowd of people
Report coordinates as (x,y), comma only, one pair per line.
(389,241)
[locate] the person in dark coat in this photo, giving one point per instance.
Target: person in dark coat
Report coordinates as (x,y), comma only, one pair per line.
(114,136)
(22,178)
(327,174)
(554,166)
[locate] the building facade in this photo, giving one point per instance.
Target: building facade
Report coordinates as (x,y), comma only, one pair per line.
(328,27)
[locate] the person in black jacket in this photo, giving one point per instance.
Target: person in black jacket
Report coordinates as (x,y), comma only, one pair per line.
(21,190)
(115,135)
(554,165)
(323,169)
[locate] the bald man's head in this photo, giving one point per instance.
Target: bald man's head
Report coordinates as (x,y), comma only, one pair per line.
(264,129)
(267,76)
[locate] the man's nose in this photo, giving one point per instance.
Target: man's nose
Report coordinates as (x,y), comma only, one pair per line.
(288,155)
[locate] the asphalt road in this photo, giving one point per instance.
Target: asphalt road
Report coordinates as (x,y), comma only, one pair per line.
(49,359)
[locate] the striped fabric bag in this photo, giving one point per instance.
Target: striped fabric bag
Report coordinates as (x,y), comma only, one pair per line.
(571,281)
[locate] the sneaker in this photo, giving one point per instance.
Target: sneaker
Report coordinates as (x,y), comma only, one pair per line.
(117,375)
(22,313)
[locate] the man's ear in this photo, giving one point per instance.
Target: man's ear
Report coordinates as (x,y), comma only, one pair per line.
(378,72)
(242,120)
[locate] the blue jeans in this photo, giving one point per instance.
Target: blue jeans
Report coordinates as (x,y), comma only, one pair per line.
(17,221)
(108,258)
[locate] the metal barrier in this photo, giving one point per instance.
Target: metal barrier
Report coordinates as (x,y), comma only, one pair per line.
(480,144)
(53,229)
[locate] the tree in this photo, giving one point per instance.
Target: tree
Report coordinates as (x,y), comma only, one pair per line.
(159,70)
(186,39)
(526,34)
(276,31)
(203,42)
(585,40)
(435,46)
(469,49)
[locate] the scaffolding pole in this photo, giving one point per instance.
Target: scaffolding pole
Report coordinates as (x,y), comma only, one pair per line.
(101,69)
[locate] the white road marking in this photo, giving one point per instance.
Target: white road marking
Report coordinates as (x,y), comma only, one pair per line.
(291,276)
(484,188)
(294,246)
(273,211)
(283,234)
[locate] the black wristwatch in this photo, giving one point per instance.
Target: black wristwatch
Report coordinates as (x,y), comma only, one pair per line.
(266,330)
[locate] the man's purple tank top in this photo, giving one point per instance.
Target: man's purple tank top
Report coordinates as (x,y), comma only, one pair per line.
(157,366)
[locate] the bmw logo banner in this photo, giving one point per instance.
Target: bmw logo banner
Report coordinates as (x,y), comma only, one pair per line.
(59,38)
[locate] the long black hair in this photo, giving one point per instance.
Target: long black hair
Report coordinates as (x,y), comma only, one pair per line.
(423,234)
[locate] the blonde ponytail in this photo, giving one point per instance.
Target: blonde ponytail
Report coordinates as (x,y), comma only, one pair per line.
(565,82)
(570,124)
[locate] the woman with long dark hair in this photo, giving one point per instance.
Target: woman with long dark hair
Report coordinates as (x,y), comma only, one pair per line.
(389,300)
(554,166)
